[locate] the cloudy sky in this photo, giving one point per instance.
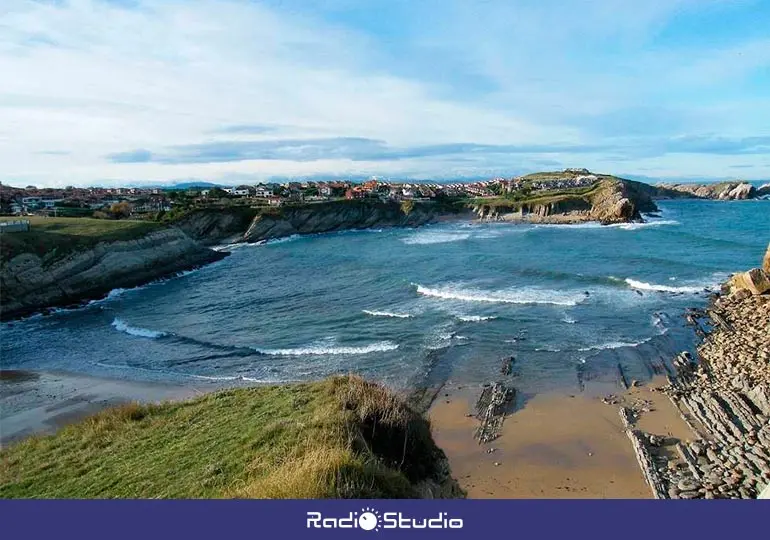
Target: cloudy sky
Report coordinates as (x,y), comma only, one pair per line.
(145,91)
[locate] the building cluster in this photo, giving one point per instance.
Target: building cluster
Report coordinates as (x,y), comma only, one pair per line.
(73,200)
(550,183)
(81,201)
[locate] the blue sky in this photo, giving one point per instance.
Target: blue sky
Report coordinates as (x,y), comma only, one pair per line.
(132,91)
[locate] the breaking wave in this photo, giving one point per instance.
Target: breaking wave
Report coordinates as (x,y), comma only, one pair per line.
(612,345)
(325,350)
(387,314)
(641,285)
(644,225)
(121,326)
(520,296)
(476,318)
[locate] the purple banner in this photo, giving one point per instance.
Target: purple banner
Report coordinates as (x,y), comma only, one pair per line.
(242,519)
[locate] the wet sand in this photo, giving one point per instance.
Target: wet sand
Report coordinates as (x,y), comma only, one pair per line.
(42,402)
(552,446)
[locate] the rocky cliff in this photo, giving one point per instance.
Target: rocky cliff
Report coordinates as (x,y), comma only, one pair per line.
(225,227)
(29,282)
(612,200)
(722,191)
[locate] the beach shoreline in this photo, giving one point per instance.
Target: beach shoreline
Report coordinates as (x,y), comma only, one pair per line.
(42,402)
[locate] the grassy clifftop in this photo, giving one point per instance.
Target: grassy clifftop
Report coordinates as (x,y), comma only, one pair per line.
(57,237)
(341,437)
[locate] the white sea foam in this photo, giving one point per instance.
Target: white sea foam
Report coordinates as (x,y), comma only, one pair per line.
(283,240)
(388,314)
(318,350)
(476,318)
(569,320)
(121,326)
(509,296)
(586,225)
(434,237)
(611,345)
(234,378)
(646,224)
(547,349)
(641,285)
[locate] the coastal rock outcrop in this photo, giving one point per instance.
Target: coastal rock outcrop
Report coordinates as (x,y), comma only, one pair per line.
(719,191)
(755,281)
(724,398)
(613,200)
(342,215)
(244,224)
(29,283)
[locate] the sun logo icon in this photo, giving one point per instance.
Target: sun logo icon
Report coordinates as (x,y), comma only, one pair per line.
(369,520)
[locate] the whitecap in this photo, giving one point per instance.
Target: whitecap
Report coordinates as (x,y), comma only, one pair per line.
(517,296)
(374,313)
(547,349)
(121,326)
(318,350)
(612,345)
(569,320)
(476,318)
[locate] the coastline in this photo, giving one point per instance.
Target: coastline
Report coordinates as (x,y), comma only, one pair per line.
(42,402)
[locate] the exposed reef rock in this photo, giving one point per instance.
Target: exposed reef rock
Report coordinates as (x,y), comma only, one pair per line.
(29,283)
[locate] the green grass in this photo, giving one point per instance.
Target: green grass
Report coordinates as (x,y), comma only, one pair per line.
(341,437)
(540,197)
(54,238)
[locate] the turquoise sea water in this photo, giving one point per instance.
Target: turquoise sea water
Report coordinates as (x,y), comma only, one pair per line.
(410,306)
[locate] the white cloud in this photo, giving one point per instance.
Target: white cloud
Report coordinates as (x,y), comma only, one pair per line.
(89,78)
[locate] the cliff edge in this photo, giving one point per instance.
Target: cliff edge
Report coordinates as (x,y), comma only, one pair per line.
(31,281)
(231,225)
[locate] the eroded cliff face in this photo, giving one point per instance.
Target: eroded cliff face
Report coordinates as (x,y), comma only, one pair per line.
(341,215)
(29,283)
(229,225)
(218,226)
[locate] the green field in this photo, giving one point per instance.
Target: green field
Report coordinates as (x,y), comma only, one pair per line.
(53,238)
(341,437)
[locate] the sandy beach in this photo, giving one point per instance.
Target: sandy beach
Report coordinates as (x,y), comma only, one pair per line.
(553,445)
(42,402)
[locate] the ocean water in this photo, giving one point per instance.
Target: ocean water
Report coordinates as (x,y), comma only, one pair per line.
(416,306)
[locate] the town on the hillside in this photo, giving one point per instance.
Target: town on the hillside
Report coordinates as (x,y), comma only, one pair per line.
(141,202)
